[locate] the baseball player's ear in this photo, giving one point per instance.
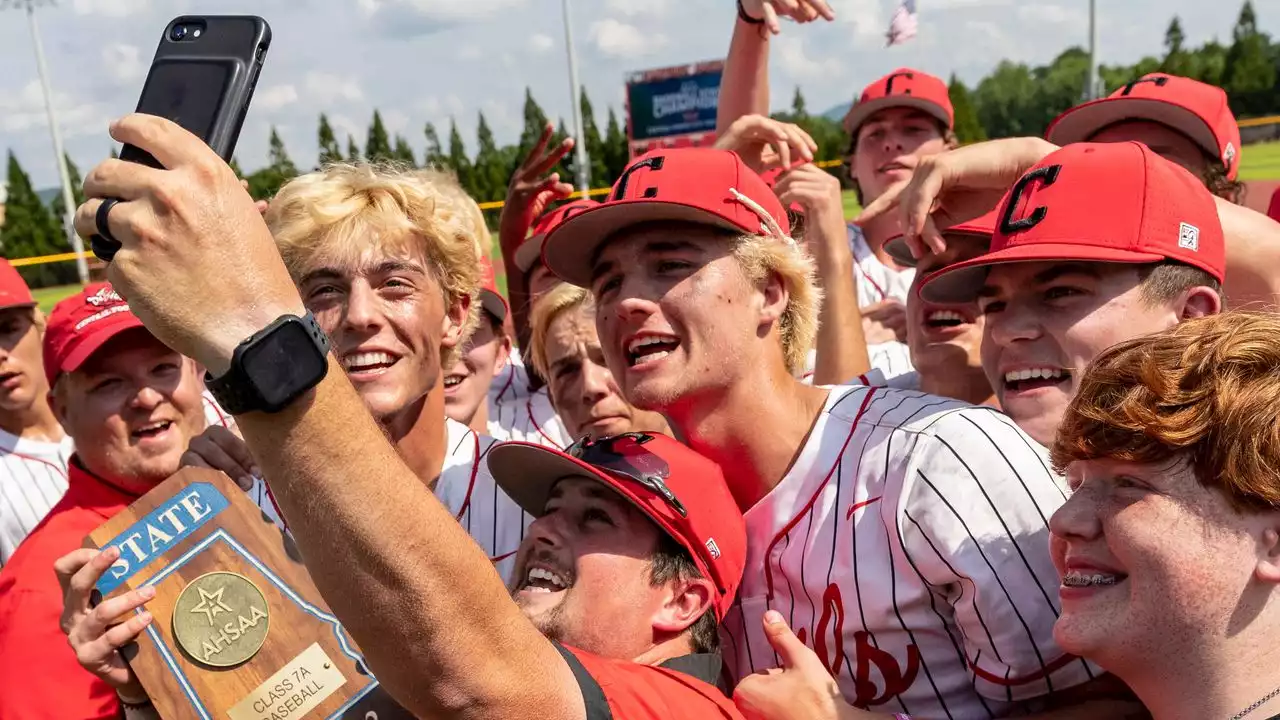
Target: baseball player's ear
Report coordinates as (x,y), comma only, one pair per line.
(1200,301)
(455,319)
(1268,569)
(687,601)
(776,298)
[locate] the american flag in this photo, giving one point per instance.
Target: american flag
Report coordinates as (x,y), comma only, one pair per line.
(903,25)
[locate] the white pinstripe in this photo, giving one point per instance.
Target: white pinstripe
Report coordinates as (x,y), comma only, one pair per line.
(910,525)
(518,413)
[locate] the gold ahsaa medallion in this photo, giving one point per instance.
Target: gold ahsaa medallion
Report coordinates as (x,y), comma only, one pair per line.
(221,619)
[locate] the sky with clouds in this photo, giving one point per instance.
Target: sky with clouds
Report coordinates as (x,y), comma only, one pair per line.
(429,60)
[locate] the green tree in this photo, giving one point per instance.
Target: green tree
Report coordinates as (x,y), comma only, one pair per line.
(30,230)
(353,150)
(968,128)
(616,152)
(329,150)
(58,207)
(490,174)
(798,109)
(597,170)
(1175,57)
(378,147)
(265,183)
(1250,77)
(402,153)
(1007,102)
(459,162)
(235,167)
(434,157)
(564,167)
(535,121)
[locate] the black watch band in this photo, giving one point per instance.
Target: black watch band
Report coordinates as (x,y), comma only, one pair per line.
(243,388)
(744,17)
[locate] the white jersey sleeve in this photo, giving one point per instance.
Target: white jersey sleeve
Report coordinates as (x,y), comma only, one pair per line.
(973,518)
(33,478)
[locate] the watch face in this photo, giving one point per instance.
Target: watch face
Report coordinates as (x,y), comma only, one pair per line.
(284,363)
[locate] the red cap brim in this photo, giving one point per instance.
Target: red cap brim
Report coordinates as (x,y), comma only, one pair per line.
(896,247)
(1082,121)
(528,473)
(529,253)
(961,282)
(570,250)
(859,113)
(493,303)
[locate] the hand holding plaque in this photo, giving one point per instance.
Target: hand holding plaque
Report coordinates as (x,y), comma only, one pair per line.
(226,619)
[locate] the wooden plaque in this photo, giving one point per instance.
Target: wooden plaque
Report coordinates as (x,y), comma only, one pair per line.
(222,572)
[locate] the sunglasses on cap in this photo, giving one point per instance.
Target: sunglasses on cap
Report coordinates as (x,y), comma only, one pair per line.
(624,455)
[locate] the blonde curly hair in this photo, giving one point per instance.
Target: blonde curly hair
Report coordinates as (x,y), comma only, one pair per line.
(337,211)
(759,256)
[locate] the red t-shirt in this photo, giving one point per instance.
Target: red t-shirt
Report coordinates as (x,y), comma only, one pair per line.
(39,676)
(625,690)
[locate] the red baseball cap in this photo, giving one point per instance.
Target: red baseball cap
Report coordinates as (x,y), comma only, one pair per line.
(903,87)
(13,289)
(698,185)
(1096,202)
(490,299)
(680,490)
(983,227)
(1195,109)
(530,251)
(1273,211)
(81,324)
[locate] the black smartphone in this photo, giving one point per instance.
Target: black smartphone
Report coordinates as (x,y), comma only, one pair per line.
(202,78)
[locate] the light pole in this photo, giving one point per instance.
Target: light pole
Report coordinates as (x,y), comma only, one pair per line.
(580,146)
(1091,92)
(68,198)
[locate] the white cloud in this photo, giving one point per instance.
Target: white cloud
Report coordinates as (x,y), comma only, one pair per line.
(470,52)
(416,17)
(276,97)
(637,8)
(864,15)
(618,39)
(540,43)
(794,60)
(1051,14)
(111,8)
(395,122)
(325,89)
(123,63)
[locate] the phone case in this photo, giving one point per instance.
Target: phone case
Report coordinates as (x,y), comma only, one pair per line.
(179,79)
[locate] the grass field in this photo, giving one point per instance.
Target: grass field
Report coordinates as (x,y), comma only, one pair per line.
(49,296)
(1261,162)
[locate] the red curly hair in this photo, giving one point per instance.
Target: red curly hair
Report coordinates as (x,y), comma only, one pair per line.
(1206,389)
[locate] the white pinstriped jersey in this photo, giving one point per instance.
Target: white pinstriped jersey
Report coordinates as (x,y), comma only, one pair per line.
(908,546)
(517,413)
(875,283)
(877,378)
(467,489)
(33,478)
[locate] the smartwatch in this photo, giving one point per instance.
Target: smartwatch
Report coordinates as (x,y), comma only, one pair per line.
(273,367)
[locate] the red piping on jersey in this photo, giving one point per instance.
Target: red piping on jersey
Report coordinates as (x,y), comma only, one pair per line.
(768,567)
(61,471)
(528,405)
(500,558)
(510,379)
(854,507)
(475,467)
(1044,672)
(883,295)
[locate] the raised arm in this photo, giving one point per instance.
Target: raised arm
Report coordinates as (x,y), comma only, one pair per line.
(744,86)
(199,266)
